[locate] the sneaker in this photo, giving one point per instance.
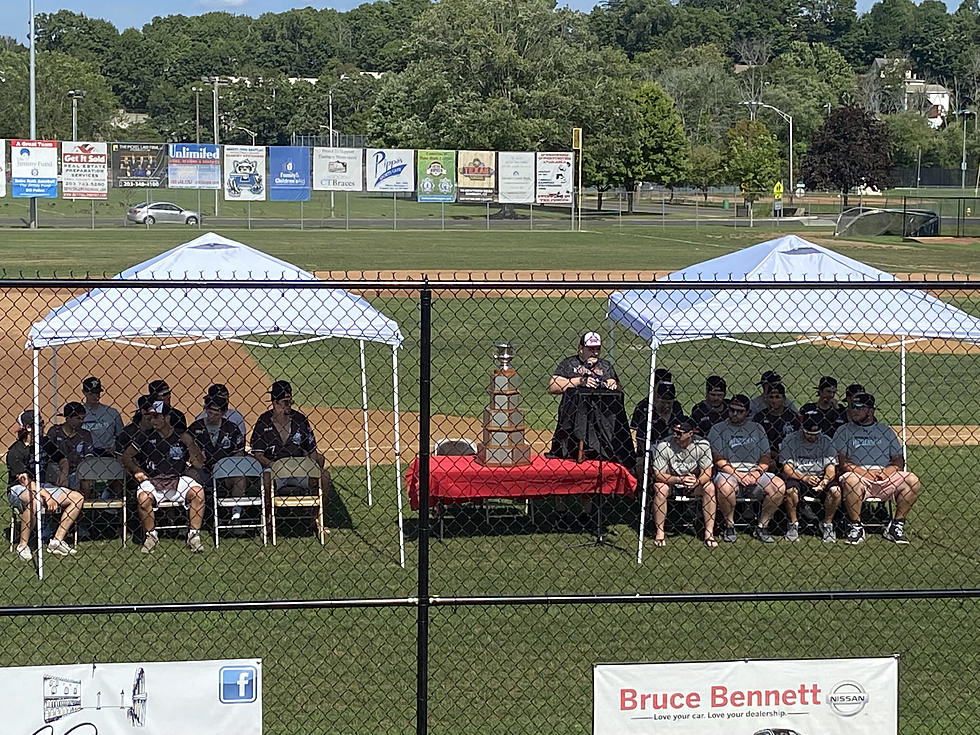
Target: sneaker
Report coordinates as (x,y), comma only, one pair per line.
(827,533)
(792,532)
(150,542)
(806,514)
(236,512)
(728,535)
(762,533)
(895,531)
(60,548)
(856,534)
(24,552)
(194,541)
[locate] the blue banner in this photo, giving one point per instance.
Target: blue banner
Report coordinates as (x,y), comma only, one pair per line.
(194,166)
(289,173)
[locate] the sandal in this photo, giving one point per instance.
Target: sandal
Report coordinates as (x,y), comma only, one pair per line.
(710,542)
(660,542)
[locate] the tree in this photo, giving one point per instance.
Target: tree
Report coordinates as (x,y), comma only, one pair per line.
(851,149)
(705,168)
(660,148)
(701,82)
(751,158)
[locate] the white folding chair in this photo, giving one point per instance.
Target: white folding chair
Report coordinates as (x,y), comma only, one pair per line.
(234,467)
(105,469)
(289,467)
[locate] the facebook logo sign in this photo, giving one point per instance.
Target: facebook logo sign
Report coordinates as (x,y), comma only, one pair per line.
(237,684)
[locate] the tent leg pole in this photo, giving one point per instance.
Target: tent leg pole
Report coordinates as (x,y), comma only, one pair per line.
(54,383)
(38,477)
(398,456)
(905,452)
(367,433)
(646,456)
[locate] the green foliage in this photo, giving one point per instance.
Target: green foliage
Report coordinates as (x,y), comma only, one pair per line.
(705,168)
(660,152)
(751,159)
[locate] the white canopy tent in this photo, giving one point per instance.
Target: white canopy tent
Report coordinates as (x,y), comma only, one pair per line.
(662,316)
(143,316)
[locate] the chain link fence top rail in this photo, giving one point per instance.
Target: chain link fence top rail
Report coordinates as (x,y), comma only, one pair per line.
(350,351)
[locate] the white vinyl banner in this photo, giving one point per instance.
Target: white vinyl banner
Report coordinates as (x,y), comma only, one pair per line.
(555,178)
(186,697)
(3,167)
(245,173)
(515,177)
(390,169)
(84,170)
(338,169)
(857,696)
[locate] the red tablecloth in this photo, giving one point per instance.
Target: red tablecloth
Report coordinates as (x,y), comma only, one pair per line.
(461,479)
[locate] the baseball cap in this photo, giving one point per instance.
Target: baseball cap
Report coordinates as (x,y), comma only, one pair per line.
(158,407)
(591,339)
(810,424)
(158,388)
(281,389)
(853,389)
(827,382)
(91,385)
(26,419)
(665,389)
(73,408)
(776,388)
(715,382)
(739,399)
(217,402)
(662,375)
(864,400)
(143,403)
(218,389)
(770,376)
(683,423)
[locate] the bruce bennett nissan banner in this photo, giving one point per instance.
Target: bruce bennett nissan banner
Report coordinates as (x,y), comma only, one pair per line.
(853,696)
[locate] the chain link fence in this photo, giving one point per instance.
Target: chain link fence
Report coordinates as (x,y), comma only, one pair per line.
(485,613)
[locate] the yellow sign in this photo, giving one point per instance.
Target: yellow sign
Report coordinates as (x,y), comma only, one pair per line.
(577,139)
(777,190)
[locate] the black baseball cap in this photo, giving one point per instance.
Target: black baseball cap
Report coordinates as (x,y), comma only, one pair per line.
(158,388)
(666,390)
(91,385)
(739,399)
(26,419)
(715,382)
(684,423)
(143,403)
(827,382)
(662,375)
(218,389)
(853,389)
(770,376)
(281,389)
(810,424)
(864,400)
(74,408)
(217,402)
(776,387)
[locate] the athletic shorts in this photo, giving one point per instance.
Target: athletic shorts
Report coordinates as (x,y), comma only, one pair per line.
(882,489)
(748,492)
(16,492)
(173,489)
(297,483)
(804,489)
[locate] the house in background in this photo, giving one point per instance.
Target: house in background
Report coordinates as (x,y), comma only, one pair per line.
(911,93)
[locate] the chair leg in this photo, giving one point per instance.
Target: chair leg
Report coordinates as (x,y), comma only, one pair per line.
(217,523)
(125,518)
(265,531)
(319,511)
(273,520)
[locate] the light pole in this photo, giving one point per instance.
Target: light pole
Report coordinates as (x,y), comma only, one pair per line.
(74,95)
(250,132)
(330,128)
(754,105)
(33,206)
(197,111)
(962,114)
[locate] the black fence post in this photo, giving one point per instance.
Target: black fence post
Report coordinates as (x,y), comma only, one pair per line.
(425,406)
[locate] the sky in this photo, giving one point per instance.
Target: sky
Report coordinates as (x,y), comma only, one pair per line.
(126,13)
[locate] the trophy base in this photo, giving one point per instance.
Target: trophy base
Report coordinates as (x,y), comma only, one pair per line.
(514,456)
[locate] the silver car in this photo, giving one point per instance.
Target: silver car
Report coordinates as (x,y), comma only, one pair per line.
(153,212)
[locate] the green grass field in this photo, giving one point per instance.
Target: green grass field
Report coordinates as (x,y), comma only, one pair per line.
(524,669)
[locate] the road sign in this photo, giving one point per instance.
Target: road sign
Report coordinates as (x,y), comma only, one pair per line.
(777,190)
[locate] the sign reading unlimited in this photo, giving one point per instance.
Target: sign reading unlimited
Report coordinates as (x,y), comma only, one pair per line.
(84,170)
(186,697)
(194,166)
(791,697)
(34,168)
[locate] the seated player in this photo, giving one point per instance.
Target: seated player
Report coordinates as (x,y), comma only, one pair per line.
(74,444)
(23,488)
(742,456)
(158,460)
(714,408)
(776,418)
(828,412)
(140,424)
(218,437)
(682,465)
(769,378)
(872,465)
(103,422)
(219,389)
(666,413)
(809,467)
(852,390)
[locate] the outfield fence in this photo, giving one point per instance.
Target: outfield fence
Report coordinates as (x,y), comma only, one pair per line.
(486,613)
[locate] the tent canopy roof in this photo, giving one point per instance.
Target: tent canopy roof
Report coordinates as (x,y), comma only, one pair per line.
(124,314)
(664,316)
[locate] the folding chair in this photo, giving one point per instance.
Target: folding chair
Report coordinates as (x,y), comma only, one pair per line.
(244,467)
(288,467)
(105,469)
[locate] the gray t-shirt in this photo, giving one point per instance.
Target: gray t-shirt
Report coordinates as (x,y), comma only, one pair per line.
(231,415)
(741,445)
(807,458)
(104,424)
(871,447)
(759,404)
(670,459)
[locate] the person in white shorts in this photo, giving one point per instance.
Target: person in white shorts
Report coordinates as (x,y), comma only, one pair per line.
(158,461)
(682,464)
(742,456)
(873,466)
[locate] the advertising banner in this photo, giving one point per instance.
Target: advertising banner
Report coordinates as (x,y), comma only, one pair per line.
(515,172)
(3,167)
(289,173)
(436,176)
(555,178)
(34,168)
(338,169)
(186,697)
(245,173)
(84,170)
(194,165)
(139,165)
(390,169)
(476,176)
(857,696)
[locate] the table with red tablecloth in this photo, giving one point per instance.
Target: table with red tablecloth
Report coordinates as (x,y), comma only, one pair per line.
(462,479)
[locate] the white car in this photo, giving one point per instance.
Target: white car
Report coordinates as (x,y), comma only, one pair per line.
(153,212)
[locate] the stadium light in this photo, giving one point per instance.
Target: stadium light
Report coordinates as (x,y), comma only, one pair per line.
(74,95)
(250,132)
(754,105)
(963,113)
(33,206)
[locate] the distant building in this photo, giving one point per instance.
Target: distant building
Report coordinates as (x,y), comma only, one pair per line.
(931,100)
